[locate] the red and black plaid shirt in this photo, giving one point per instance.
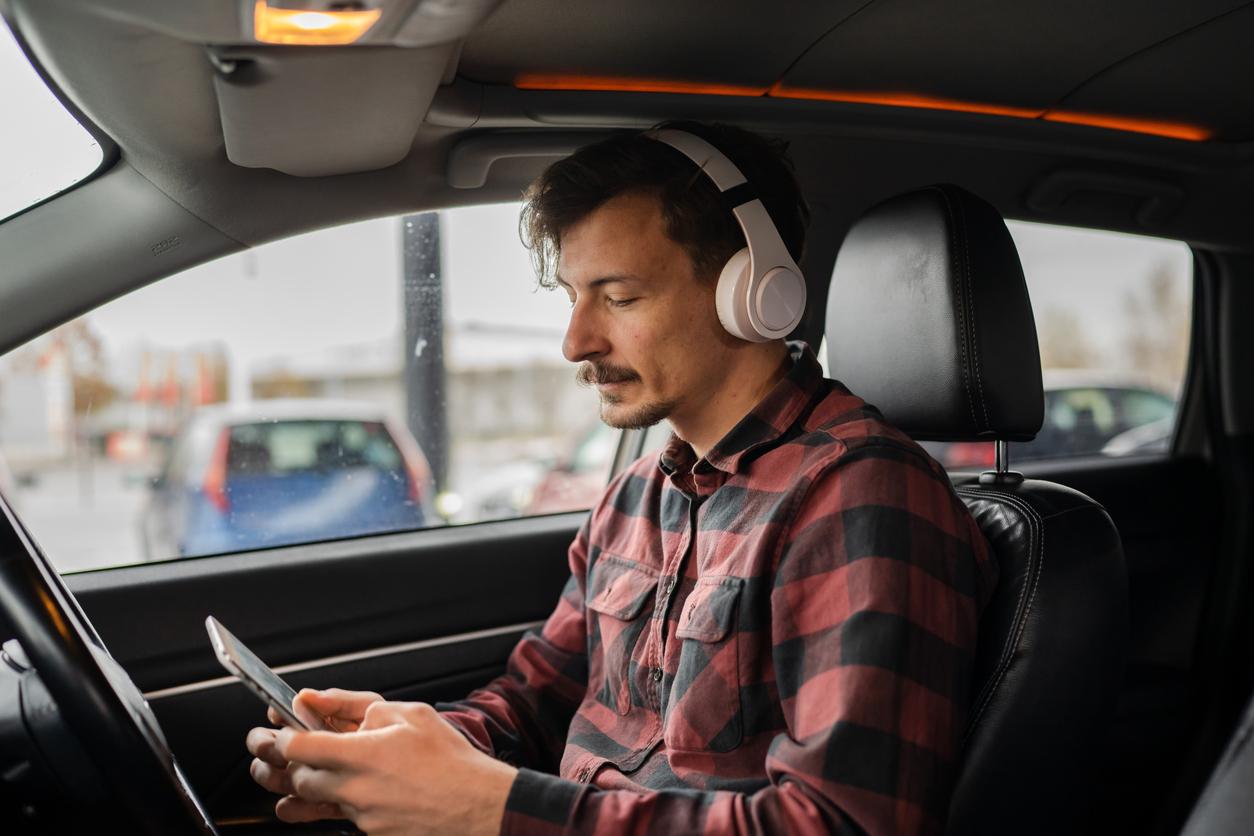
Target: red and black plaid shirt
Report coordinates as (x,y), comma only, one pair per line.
(777,638)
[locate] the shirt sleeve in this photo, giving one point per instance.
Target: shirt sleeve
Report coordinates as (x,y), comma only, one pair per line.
(874,607)
(522,716)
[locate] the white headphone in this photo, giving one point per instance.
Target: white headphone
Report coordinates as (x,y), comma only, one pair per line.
(761,294)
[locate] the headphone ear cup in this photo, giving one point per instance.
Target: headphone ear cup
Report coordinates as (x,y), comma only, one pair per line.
(776,303)
(732,297)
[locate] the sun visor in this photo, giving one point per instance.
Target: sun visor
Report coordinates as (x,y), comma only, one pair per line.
(313,112)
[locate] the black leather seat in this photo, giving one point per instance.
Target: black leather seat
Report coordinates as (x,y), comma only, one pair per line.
(929,320)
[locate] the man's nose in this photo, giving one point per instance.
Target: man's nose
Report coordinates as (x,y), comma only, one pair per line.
(585,338)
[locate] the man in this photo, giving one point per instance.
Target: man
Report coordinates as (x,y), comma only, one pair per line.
(769,628)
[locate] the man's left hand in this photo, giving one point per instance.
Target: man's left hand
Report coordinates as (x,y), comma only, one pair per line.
(404,771)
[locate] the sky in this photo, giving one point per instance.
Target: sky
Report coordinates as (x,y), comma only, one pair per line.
(339,286)
(42,149)
(1089,273)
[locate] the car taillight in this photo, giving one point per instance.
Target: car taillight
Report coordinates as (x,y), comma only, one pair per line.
(215,477)
(970,454)
(417,480)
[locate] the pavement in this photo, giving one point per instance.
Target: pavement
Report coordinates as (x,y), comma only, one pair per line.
(85,516)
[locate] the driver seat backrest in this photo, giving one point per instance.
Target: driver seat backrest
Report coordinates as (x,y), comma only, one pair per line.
(929,320)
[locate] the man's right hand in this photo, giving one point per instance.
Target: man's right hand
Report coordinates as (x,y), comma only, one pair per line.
(343,710)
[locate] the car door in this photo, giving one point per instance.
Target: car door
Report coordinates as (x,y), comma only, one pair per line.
(323,321)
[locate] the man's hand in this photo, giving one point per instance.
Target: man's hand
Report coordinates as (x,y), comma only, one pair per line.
(340,709)
(405,770)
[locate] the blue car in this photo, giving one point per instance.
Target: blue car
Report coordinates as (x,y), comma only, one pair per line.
(278,472)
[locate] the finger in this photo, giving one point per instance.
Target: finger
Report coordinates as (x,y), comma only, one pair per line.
(338,703)
(272,778)
(279,720)
(261,744)
(383,714)
(295,810)
(312,784)
(325,750)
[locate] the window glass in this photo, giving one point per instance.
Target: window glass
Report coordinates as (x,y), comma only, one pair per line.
(43,150)
(1112,317)
(384,376)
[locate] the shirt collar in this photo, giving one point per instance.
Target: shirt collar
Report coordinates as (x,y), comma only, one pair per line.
(765,423)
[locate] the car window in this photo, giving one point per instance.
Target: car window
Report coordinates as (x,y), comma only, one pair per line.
(43,150)
(385,376)
(1112,316)
(1138,408)
(293,447)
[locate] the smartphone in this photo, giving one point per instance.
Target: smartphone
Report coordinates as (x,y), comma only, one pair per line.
(258,677)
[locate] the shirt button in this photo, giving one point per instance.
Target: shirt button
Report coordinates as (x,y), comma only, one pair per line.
(670,584)
(657,675)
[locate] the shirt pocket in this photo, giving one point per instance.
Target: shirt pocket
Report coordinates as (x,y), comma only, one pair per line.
(618,591)
(704,706)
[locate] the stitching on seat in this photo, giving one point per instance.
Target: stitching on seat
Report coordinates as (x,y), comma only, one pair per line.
(970,301)
(1037,529)
(962,322)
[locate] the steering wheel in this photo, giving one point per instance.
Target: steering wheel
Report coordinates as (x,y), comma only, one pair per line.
(98,702)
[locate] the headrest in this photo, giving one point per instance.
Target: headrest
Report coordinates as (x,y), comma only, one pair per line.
(928,319)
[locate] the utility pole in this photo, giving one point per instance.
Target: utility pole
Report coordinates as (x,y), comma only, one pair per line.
(423,297)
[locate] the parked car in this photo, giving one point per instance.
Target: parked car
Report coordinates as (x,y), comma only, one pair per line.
(274,472)
(1154,437)
(1085,415)
(567,485)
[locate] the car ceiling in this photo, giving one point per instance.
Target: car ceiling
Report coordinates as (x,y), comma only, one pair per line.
(1174,62)
(875,97)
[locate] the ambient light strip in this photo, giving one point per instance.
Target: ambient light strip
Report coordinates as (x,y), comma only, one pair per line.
(345,658)
(616,84)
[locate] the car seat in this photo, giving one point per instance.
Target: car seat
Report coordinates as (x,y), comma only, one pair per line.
(928,319)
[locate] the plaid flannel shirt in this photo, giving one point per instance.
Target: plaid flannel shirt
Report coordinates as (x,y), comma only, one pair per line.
(777,638)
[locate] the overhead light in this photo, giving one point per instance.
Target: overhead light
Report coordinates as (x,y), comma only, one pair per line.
(312,24)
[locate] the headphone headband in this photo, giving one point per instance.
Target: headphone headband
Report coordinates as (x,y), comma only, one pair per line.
(763,299)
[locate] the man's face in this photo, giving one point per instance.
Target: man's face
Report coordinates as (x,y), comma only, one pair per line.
(643,327)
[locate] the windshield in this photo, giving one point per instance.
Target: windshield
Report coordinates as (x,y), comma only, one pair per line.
(43,150)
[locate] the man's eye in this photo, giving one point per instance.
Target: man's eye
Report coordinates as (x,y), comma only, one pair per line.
(621,303)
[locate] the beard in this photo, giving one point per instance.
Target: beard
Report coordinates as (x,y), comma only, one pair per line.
(645,415)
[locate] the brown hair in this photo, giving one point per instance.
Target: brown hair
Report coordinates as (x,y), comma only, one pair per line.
(692,208)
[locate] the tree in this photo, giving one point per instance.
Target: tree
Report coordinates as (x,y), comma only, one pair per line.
(85,362)
(1064,342)
(1157,341)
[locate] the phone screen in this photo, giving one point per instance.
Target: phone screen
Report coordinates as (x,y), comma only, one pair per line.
(254,673)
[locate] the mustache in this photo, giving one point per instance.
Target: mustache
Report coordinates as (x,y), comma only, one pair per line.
(592,374)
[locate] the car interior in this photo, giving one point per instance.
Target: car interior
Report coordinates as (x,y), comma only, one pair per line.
(1114,665)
